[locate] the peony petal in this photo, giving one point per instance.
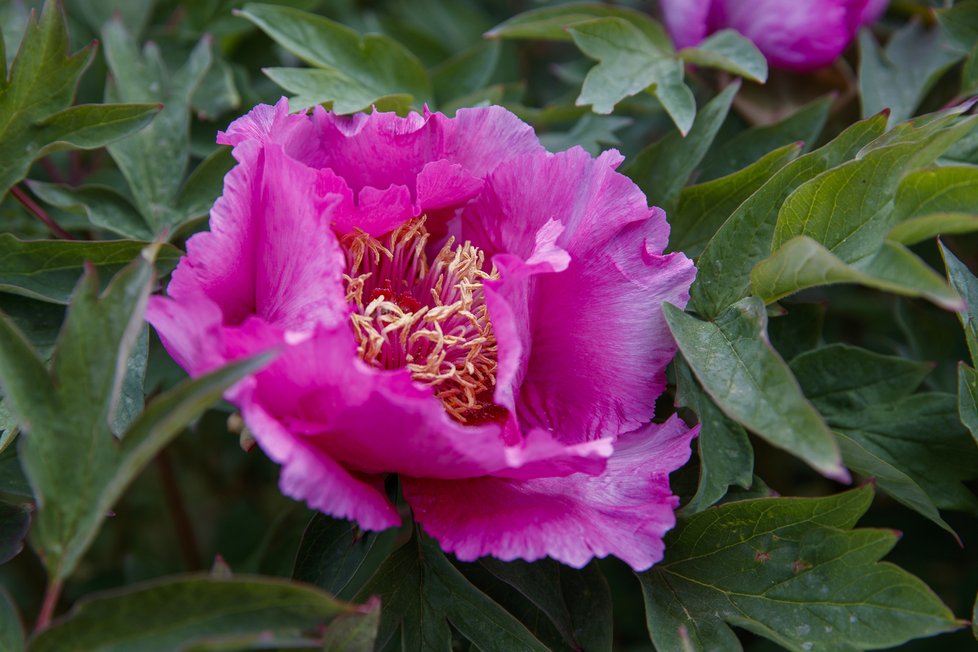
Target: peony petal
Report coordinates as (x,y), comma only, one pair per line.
(872,11)
(798,35)
(270,251)
(190,330)
(309,474)
(686,20)
(600,341)
(623,512)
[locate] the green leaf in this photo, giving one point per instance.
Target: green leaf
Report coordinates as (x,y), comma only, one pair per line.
(842,380)
(804,125)
(592,132)
(898,77)
(553,23)
(962,280)
(662,169)
(791,570)
(77,468)
(334,90)
(175,613)
(15,521)
(968,399)
(354,632)
(849,209)
(421,592)
(204,185)
(34,116)
(704,207)
(752,385)
(103,206)
(466,72)
(728,50)
(803,263)
(349,67)
(745,238)
(337,556)
(917,229)
(11,629)
(49,269)
(922,436)
(629,63)
(155,160)
(726,455)
(576,602)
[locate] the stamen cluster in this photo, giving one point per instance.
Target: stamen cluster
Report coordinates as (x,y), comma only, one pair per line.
(431,319)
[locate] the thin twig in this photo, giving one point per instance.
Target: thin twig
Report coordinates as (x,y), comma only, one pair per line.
(38,212)
(51,596)
(178,512)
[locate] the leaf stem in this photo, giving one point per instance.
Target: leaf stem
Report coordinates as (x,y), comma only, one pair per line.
(178,512)
(21,195)
(51,595)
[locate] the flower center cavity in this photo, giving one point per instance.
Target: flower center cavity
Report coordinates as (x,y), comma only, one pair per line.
(427,316)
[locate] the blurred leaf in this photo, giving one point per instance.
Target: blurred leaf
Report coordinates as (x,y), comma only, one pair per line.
(337,556)
(13,484)
(728,50)
(704,207)
(11,629)
(15,521)
(354,632)
(841,381)
(804,125)
(155,160)
(103,206)
(204,185)
(421,592)
(752,385)
(803,263)
(131,396)
(35,118)
(962,280)
(217,93)
(726,455)
(629,63)
(334,90)
(898,77)
(798,329)
(39,321)
(662,169)
(791,570)
(177,612)
(553,23)
(577,602)
(133,13)
(49,269)
(968,399)
(349,68)
(67,414)
(592,132)
(466,72)
(745,238)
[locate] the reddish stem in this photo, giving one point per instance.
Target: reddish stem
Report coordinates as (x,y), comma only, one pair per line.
(38,212)
(51,595)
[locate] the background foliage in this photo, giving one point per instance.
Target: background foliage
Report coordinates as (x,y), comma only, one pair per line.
(820,347)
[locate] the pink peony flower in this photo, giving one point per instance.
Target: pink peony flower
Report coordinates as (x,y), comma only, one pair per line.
(793,34)
(454,304)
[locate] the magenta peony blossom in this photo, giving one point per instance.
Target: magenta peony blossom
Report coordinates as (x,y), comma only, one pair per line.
(793,34)
(451,303)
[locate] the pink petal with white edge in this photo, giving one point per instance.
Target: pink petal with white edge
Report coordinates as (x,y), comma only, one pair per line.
(623,512)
